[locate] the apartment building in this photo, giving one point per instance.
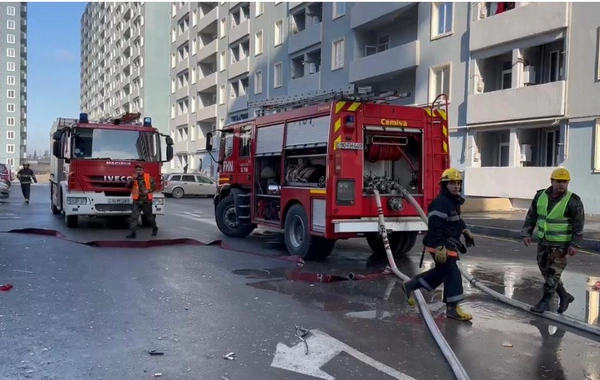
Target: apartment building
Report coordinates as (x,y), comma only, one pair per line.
(13,74)
(124,60)
(521,91)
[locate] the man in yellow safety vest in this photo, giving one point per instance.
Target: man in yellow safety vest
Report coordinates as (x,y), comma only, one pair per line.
(559,217)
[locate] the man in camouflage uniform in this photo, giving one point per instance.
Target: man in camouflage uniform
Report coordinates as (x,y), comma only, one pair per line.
(559,216)
(142,186)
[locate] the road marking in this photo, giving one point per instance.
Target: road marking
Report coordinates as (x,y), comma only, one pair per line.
(321,349)
(198,218)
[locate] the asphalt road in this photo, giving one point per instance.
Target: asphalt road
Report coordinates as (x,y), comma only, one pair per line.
(79,312)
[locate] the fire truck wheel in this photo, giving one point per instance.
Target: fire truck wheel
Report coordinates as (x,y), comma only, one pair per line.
(72,221)
(227,221)
(410,239)
(300,242)
(397,242)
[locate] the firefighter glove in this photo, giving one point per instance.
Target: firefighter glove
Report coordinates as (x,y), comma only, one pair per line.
(440,254)
(469,238)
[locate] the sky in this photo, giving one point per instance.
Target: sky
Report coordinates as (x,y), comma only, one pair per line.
(53,48)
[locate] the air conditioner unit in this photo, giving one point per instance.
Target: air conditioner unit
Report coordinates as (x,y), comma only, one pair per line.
(370,50)
(529,75)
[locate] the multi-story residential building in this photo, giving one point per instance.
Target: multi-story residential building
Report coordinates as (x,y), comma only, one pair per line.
(13,74)
(521,78)
(124,60)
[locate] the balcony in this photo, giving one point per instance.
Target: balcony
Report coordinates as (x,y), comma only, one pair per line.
(181,147)
(238,104)
(181,119)
(387,62)
(181,92)
(206,112)
(240,67)
(531,102)
(182,65)
(310,36)
(307,83)
(370,15)
(522,22)
(207,19)
(239,32)
(207,50)
(200,144)
(294,4)
(206,82)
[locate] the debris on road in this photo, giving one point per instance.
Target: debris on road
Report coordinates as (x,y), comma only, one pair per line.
(301,333)
(229,356)
(22,271)
(158,374)
(154,352)
(506,344)
(5,287)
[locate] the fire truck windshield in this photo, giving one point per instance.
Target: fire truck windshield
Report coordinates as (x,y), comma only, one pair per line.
(115,144)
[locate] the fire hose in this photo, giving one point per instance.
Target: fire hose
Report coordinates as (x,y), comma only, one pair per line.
(457,368)
(565,320)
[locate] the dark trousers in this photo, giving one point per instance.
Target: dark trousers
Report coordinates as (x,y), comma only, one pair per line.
(139,208)
(448,274)
(26,190)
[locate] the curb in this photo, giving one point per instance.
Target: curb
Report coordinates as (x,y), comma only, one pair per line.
(588,244)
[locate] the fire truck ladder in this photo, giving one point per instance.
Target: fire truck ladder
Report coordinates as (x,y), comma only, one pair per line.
(350,93)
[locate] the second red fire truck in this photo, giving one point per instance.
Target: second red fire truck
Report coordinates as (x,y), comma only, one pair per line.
(311,170)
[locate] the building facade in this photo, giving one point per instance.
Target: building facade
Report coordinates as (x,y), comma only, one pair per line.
(124,60)
(521,78)
(13,77)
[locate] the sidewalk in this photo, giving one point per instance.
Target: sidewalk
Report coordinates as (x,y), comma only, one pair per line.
(508,224)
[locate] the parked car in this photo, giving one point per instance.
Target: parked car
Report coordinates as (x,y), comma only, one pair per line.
(179,184)
(6,174)
(4,191)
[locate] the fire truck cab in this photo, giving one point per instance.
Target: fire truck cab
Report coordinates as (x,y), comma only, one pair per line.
(92,161)
(310,169)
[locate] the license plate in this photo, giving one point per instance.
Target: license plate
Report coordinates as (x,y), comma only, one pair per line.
(119,201)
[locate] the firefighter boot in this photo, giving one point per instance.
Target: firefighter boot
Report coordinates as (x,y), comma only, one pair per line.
(132,235)
(154,231)
(565,299)
(454,311)
(409,287)
(543,305)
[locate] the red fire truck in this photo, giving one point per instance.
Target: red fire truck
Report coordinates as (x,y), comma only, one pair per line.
(92,161)
(311,171)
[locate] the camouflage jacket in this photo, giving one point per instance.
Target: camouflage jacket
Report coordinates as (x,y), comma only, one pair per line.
(574,212)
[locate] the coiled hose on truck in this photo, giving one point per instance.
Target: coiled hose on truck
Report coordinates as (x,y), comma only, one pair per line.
(565,320)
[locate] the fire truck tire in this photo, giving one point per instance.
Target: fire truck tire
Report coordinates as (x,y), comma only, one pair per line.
(55,210)
(398,241)
(71,221)
(178,192)
(410,239)
(299,241)
(224,213)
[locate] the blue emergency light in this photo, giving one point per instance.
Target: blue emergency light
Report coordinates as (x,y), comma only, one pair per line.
(147,121)
(83,118)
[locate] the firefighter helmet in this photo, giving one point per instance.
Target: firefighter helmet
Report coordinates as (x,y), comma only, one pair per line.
(561,174)
(451,174)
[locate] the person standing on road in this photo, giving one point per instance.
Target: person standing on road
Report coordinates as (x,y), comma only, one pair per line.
(142,186)
(442,241)
(25,176)
(559,216)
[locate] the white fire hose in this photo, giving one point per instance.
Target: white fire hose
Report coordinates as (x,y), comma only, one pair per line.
(565,320)
(457,368)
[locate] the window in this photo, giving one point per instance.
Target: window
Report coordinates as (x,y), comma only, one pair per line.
(223,61)
(11,162)
(597,146)
(10,121)
(337,55)
(551,147)
(10,66)
(10,38)
(223,27)
(10,94)
(278,75)
(246,139)
(227,143)
(441,19)
(439,82)
(506,76)
(11,11)
(258,43)
(339,9)
(598,51)
(11,52)
(10,107)
(260,8)
(503,154)
(10,148)
(222,94)
(188,178)
(10,135)
(278,33)
(116,145)
(258,82)
(10,24)
(11,80)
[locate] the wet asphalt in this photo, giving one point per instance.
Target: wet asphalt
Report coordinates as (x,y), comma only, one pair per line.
(79,312)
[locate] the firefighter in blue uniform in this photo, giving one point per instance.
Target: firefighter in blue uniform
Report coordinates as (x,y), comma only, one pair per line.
(442,241)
